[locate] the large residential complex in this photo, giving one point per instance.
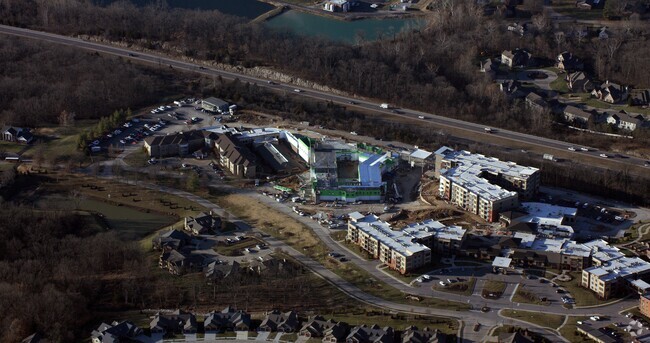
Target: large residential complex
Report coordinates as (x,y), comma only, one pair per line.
(402,250)
(542,218)
(340,171)
(611,277)
(483,185)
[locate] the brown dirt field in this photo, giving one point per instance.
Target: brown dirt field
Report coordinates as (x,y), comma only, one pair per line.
(406,217)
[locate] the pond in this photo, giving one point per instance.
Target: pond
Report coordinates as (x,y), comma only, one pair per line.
(339,30)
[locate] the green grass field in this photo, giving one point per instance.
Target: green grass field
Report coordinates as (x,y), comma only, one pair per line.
(552,321)
(582,296)
(568,331)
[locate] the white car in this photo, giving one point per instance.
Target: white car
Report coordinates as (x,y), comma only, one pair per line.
(571,148)
(584,149)
(595,318)
(442,283)
(297,90)
(421,117)
(604,155)
(426,277)
(122,141)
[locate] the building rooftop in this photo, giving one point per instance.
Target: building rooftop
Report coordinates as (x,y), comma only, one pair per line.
(395,240)
(404,240)
(501,262)
(420,154)
(549,218)
(602,251)
(623,267)
(467,170)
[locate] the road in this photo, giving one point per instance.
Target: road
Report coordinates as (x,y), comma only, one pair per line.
(548,145)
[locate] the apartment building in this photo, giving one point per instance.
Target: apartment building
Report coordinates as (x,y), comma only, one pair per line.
(644,305)
(483,185)
(403,250)
(612,277)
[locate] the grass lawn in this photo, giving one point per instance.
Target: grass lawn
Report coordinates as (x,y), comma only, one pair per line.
(338,235)
(523,295)
(559,85)
(137,158)
(494,287)
(13,148)
(461,288)
(552,321)
(303,239)
(397,322)
(568,331)
(582,296)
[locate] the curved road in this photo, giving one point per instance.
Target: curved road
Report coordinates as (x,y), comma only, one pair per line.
(549,145)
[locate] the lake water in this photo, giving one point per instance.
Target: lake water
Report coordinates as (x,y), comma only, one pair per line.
(243,8)
(339,30)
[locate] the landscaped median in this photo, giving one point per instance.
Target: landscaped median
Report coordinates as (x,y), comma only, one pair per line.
(581,295)
(303,239)
(548,320)
(460,287)
(493,289)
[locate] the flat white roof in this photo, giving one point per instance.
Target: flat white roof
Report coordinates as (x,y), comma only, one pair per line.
(395,240)
(501,262)
(620,268)
(602,251)
(640,284)
(403,241)
(549,218)
(420,154)
(467,169)
(370,169)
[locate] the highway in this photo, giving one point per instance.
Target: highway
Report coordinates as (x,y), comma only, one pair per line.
(476,130)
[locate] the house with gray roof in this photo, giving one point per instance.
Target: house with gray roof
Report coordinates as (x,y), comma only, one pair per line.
(276,320)
(228,319)
(535,102)
(578,82)
(371,334)
(625,121)
(574,114)
(236,156)
(117,332)
(171,240)
(567,61)
(610,92)
(413,335)
(17,135)
(516,58)
(215,270)
(203,223)
(176,144)
(330,330)
(177,322)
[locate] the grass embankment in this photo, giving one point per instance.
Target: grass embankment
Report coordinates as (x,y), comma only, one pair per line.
(523,295)
(303,239)
(569,332)
(465,287)
(552,321)
(582,296)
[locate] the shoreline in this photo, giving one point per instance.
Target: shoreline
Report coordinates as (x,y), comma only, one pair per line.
(349,16)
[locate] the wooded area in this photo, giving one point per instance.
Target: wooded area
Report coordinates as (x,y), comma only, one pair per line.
(434,67)
(39,82)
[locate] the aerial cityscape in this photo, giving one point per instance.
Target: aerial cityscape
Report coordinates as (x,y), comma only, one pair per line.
(360,171)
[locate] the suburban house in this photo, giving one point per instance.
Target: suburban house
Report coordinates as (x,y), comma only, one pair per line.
(516,58)
(517,28)
(275,320)
(640,97)
(118,332)
(488,67)
(579,82)
(413,335)
(596,334)
(337,6)
(213,104)
(610,92)
(509,87)
(16,134)
(235,156)
(573,114)
(177,144)
(218,271)
(171,240)
(566,61)
(176,322)
(202,223)
(536,102)
(178,263)
(317,326)
(371,334)
(625,121)
(227,319)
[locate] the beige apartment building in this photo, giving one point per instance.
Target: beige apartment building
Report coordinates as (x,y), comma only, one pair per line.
(483,185)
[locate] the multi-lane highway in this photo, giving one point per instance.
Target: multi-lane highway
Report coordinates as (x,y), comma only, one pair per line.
(475,130)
